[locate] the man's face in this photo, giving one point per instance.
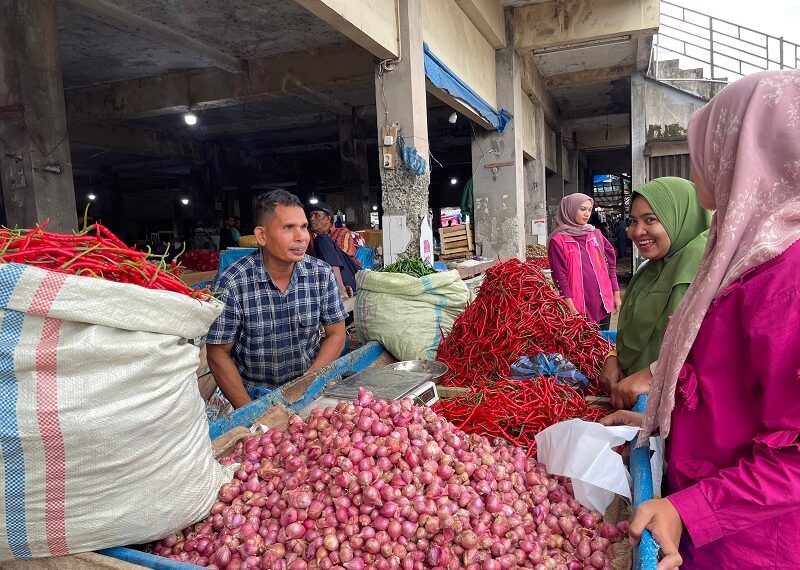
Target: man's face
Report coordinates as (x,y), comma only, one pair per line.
(320,222)
(285,236)
(229,222)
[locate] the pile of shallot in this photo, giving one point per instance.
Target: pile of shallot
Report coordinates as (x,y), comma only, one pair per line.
(387,485)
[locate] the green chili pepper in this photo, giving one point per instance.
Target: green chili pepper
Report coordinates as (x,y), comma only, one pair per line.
(413,266)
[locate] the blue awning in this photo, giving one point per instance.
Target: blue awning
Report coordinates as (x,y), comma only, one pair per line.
(444,78)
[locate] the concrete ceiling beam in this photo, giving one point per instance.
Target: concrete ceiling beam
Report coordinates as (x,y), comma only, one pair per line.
(122,19)
(557,23)
(141,143)
(372,25)
(487,16)
(294,74)
(325,101)
(297,148)
(266,124)
(114,138)
(534,85)
(598,122)
(589,76)
(644,48)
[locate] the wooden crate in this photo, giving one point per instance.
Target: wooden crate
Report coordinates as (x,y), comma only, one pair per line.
(457,239)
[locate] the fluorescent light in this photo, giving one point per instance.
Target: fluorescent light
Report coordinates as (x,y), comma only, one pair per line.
(91,196)
(313,200)
(185,201)
(374,208)
(190,119)
(454,181)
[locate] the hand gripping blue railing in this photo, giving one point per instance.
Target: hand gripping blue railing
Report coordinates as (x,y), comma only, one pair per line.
(646,555)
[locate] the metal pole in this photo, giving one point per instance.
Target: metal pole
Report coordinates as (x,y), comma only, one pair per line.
(711,43)
(782,66)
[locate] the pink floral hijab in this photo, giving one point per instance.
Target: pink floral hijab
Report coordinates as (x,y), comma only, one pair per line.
(745,147)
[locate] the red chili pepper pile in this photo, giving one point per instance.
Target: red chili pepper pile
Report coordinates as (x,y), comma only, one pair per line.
(93,252)
(517,313)
(540,262)
(200,260)
(517,410)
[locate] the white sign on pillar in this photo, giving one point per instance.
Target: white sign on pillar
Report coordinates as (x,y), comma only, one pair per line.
(426,241)
(396,237)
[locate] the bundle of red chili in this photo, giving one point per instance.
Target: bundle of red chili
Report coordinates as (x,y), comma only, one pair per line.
(517,313)
(540,262)
(93,252)
(517,410)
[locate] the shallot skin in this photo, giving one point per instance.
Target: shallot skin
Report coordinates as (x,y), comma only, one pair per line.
(389,485)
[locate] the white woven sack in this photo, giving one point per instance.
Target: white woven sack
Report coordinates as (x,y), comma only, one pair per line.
(408,315)
(103,429)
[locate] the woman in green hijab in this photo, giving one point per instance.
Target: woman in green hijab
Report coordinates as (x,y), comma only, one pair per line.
(670,229)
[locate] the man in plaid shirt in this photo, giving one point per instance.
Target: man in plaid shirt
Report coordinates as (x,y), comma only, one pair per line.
(275,300)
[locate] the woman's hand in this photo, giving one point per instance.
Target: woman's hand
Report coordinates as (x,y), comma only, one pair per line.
(663,521)
(571,305)
(612,373)
(626,392)
(617,301)
(622,418)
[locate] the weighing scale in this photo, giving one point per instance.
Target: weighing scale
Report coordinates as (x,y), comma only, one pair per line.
(384,383)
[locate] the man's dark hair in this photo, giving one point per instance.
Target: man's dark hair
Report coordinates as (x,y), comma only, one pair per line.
(265,204)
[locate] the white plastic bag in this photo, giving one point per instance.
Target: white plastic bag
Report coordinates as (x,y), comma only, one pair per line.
(103,429)
(583,451)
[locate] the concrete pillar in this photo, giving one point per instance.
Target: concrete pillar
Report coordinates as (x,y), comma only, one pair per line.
(638,142)
(638,131)
(401,99)
(555,185)
(499,192)
(355,166)
(535,202)
(35,168)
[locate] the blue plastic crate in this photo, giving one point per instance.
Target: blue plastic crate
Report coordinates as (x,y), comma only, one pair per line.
(610,336)
(230,255)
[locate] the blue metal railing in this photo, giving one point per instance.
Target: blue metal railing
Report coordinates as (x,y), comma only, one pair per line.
(646,555)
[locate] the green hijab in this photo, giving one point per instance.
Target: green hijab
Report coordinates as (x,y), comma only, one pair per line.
(657,288)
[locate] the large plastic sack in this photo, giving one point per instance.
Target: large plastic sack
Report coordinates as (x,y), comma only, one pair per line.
(103,430)
(408,315)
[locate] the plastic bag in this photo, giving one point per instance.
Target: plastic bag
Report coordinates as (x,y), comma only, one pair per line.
(584,452)
(551,365)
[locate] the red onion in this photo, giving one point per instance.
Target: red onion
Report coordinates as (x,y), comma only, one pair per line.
(387,485)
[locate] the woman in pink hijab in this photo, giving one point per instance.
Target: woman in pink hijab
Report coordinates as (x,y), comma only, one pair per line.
(725,392)
(583,262)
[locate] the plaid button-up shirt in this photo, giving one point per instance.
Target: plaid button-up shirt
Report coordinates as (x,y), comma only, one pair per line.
(275,335)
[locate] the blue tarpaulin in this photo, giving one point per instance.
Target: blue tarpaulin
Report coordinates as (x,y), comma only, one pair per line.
(444,78)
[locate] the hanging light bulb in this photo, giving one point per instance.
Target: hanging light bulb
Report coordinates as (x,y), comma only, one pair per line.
(190,119)
(185,201)
(313,200)
(454,181)
(374,208)
(91,196)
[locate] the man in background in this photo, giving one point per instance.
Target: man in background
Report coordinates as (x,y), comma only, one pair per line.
(324,247)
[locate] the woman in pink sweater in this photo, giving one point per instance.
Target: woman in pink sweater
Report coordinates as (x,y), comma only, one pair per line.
(725,394)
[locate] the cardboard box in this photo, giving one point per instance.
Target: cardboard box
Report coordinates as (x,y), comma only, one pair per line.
(191,278)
